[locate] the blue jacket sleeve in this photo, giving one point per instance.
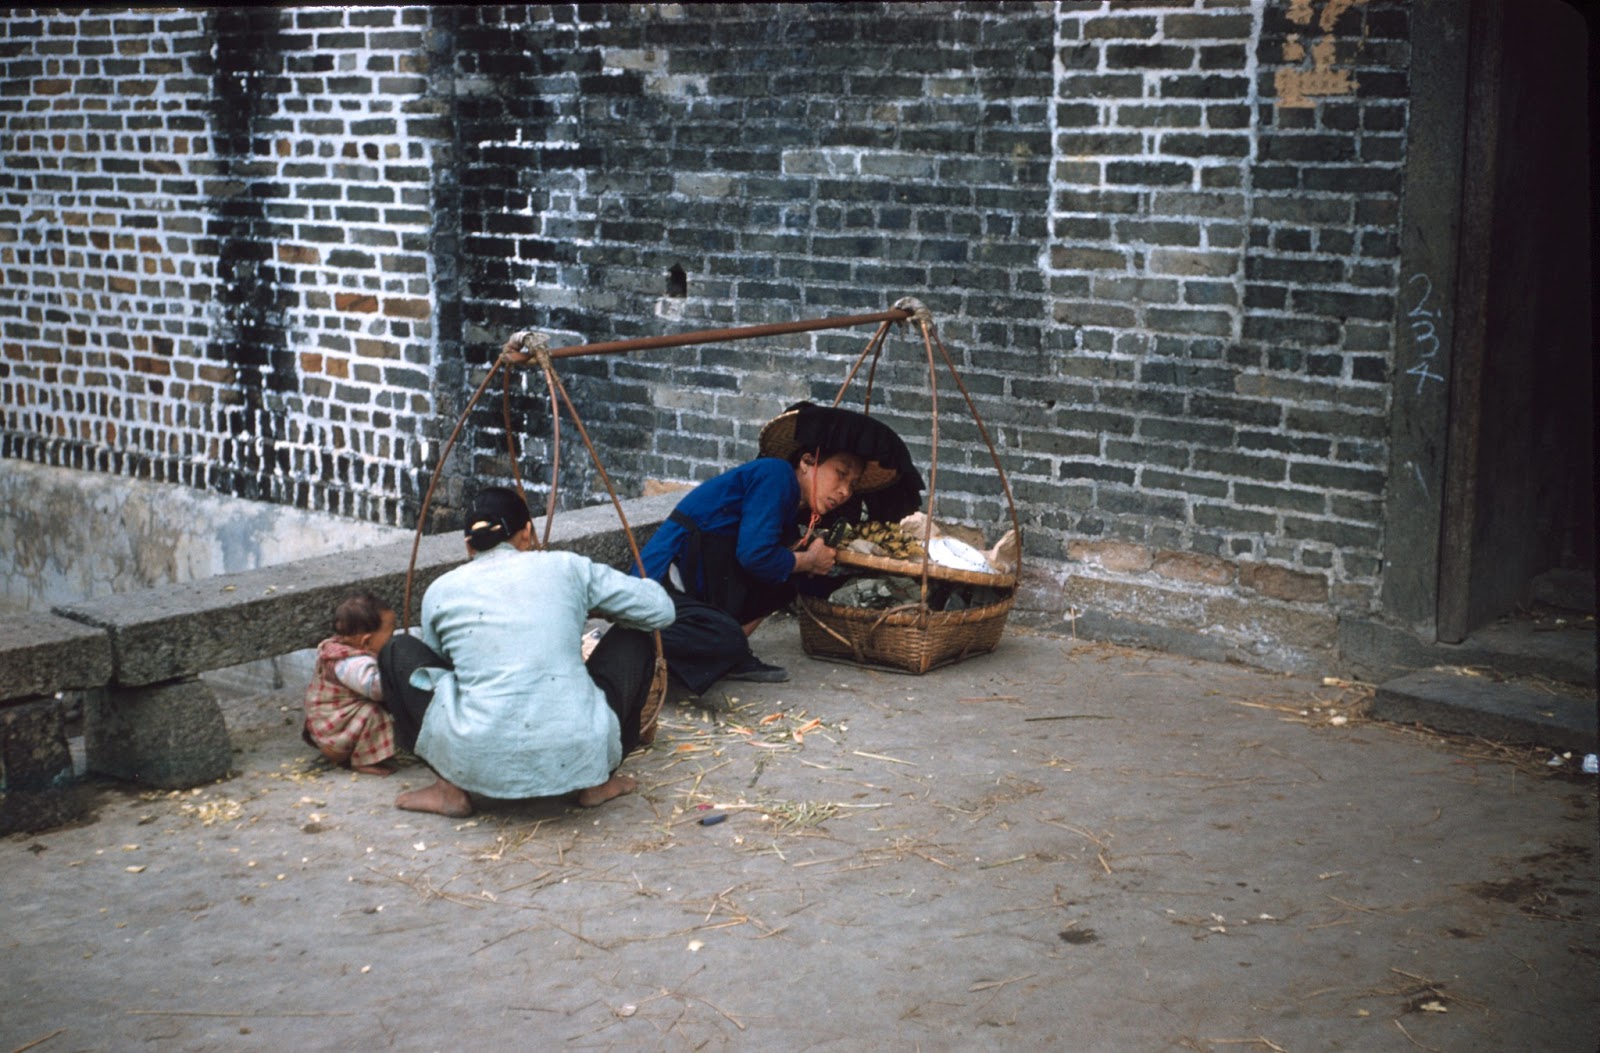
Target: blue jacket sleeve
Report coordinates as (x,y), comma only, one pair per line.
(770,498)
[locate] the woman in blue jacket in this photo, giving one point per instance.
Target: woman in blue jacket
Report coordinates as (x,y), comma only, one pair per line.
(734,550)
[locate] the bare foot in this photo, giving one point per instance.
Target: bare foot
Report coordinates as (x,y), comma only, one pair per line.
(442,798)
(615,786)
(373,769)
(334,756)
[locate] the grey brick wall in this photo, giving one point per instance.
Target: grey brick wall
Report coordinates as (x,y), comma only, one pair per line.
(1223,264)
(270,252)
(792,161)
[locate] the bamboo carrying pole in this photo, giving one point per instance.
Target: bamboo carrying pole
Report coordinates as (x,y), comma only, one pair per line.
(716,336)
(524,348)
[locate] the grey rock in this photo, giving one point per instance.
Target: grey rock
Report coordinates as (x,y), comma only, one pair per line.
(45,653)
(37,786)
(170,736)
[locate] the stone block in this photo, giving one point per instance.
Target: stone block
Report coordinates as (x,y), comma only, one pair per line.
(1503,710)
(1281,583)
(1116,556)
(37,787)
(170,735)
(1193,567)
(45,653)
(1233,520)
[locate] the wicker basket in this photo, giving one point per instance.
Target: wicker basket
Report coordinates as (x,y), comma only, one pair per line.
(909,639)
(913,638)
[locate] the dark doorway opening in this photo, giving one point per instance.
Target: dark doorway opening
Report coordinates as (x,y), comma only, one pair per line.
(1519,483)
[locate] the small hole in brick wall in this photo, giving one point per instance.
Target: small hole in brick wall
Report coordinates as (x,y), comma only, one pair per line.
(677,281)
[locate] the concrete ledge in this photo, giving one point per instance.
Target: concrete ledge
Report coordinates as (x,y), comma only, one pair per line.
(1502,710)
(1375,651)
(45,653)
(1212,625)
(175,632)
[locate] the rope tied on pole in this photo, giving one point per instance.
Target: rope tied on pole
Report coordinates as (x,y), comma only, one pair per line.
(524,346)
(919,310)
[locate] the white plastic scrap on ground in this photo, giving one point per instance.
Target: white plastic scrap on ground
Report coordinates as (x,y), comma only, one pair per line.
(1591,762)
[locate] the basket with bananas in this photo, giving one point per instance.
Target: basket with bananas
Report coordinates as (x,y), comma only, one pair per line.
(879,539)
(897,548)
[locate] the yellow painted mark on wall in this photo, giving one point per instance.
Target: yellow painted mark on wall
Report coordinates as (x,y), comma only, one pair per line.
(1300,85)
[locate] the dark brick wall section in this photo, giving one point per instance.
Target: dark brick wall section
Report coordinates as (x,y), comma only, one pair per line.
(215,252)
(790,161)
(270,252)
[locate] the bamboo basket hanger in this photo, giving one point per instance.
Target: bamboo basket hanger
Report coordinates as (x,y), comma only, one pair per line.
(911,637)
(522,349)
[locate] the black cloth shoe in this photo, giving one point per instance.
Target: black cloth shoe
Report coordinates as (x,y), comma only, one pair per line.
(759,672)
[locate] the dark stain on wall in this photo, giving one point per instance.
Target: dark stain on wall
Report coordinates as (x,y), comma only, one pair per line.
(450,376)
(252,336)
(509,108)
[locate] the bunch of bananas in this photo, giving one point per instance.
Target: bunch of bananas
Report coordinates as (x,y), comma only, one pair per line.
(888,537)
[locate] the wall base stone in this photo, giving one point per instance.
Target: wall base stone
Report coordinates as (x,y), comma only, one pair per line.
(37,787)
(169,735)
(1207,624)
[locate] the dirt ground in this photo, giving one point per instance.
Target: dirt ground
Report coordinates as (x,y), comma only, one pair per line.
(1062,845)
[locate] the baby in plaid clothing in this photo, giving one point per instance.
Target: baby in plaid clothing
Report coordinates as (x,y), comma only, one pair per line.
(345,718)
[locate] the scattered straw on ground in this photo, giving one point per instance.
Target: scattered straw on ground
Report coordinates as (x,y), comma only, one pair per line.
(1348,704)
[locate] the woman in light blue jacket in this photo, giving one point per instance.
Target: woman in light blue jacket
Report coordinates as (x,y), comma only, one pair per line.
(497,697)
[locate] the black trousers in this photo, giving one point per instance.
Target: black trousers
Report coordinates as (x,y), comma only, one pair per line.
(398,659)
(703,642)
(706,639)
(621,667)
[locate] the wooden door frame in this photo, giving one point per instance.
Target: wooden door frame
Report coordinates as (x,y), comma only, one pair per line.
(1474,256)
(1434,252)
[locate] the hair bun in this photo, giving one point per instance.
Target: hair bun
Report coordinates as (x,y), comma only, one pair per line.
(495,515)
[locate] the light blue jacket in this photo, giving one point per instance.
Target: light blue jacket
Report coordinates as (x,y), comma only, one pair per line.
(519,717)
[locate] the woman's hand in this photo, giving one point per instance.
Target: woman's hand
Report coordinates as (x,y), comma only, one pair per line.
(815,558)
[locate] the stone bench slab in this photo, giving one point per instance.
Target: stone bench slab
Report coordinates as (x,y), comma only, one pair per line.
(179,631)
(44,653)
